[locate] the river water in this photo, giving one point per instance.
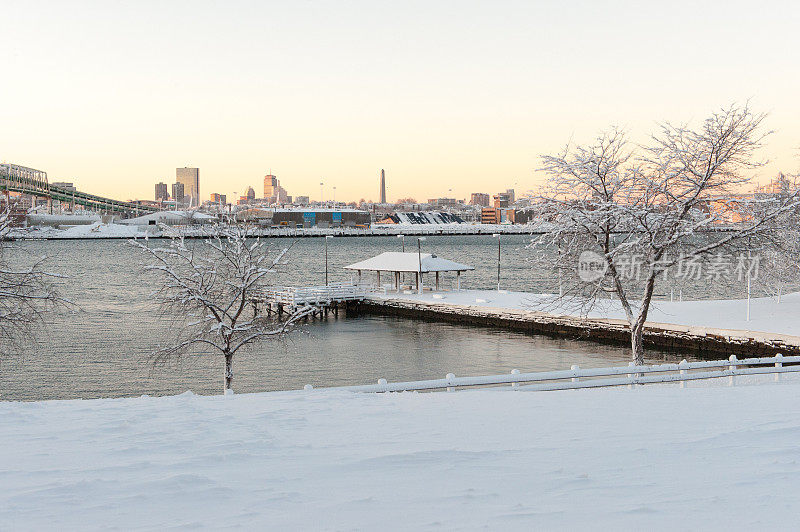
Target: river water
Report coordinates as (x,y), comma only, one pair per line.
(102,349)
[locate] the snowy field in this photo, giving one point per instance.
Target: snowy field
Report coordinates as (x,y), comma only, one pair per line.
(766,314)
(646,458)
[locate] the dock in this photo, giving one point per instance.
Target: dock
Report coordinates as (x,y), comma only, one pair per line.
(327,298)
(700,341)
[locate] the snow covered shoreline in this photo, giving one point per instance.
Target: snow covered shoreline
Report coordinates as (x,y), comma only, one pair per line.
(766,314)
(650,457)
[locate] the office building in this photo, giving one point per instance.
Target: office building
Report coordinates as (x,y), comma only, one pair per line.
(250,194)
(480,199)
(162,193)
(178,192)
(219,199)
(491,215)
(271,187)
(190,178)
(443,202)
(504,200)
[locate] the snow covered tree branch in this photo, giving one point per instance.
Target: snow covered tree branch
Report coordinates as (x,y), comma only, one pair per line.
(210,286)
(677,198)
(27,292)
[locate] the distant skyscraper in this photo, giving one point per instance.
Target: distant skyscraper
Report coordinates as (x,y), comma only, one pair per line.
(271,188)
(161,192)
(190,177)
(251,194)
(178,192)
(219,199)
(383,186)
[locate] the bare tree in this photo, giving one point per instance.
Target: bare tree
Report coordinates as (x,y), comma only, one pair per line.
(675,199)
(210,286)
(780,264)
(27,292)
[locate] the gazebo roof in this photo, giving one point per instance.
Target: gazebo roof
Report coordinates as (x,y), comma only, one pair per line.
(392,261)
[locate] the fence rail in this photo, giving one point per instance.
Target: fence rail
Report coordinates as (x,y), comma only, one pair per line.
(593,377)
(293,296)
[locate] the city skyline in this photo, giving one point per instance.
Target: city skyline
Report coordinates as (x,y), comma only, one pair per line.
(441,102)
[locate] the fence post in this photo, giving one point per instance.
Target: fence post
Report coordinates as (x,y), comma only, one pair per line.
(449,378)
(778,364)
(575,367)
(515,384)
(630,375)
(683,372)
(732,366)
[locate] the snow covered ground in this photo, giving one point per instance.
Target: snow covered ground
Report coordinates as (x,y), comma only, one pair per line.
(766,314)
(645,458)
(95,230)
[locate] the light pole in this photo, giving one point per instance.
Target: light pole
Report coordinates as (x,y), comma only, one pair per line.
(497,235)
(320,192)
(334,196)
(419,256)
(326,258)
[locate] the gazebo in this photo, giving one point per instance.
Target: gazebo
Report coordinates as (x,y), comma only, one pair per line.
(416,263)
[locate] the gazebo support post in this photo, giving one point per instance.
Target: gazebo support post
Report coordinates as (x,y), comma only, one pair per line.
(379,278)
(437,281)
(397,281)
(458,281)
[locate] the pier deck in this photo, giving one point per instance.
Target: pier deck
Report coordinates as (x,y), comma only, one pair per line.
(666,336)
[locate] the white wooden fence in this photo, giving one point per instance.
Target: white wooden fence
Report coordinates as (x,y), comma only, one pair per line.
(298,296)
(576,377)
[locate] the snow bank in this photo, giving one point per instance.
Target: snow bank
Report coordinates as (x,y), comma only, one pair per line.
(644,458)
(766,314)
(94,230)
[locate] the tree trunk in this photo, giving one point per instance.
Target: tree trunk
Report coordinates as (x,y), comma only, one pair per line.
(228,374)
(637,325)
(637,342)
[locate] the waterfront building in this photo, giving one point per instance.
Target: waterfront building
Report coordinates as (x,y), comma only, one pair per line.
(302,200)
(500,215)
(422,218)
(190,178)
(161,192)
(320,217)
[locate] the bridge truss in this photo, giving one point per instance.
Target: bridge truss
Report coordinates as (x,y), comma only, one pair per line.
(24,180)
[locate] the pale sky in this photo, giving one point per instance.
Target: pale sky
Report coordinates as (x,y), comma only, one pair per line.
(442,95)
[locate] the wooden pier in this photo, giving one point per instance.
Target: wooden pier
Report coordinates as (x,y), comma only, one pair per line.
(328,298)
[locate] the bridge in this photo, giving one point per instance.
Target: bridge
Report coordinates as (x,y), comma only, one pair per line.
(16,178)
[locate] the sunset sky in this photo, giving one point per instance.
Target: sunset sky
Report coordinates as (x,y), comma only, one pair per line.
(443,95)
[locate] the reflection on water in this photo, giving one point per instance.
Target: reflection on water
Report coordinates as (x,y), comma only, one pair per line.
(102,350)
